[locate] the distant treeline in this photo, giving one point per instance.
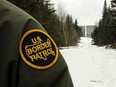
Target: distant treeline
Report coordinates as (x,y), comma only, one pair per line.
(60,26)
(105,30)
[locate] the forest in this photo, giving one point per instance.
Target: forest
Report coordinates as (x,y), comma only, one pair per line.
(58,24)
(105,31)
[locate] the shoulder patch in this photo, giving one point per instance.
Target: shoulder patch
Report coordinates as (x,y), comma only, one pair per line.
(38,49)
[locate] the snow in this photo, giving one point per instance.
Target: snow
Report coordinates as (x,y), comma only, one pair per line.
(89,65)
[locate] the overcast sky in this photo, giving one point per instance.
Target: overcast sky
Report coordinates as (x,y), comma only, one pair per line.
(87,12)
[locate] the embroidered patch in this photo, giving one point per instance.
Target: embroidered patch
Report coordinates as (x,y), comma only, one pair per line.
(38,49)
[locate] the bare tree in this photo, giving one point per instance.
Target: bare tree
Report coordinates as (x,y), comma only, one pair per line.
(61,12)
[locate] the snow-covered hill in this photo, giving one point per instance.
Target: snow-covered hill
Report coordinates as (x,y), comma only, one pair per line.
(91,66)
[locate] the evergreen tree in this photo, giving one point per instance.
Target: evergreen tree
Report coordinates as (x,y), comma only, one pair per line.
(72,31)
(113,10)
(102,33)
(78,30)
(104,10)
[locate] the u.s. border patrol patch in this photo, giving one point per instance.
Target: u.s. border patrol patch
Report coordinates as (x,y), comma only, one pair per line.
(38,50)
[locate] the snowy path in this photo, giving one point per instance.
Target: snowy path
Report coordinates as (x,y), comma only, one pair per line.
(91,66)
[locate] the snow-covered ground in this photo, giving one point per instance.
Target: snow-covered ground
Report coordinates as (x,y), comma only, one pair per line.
(91,66)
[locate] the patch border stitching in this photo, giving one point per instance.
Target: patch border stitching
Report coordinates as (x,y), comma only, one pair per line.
(25,60)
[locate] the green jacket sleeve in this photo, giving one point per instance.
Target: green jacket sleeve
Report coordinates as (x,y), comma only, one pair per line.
(14,72)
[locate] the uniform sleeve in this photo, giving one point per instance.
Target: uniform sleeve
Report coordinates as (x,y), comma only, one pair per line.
(14,72)
(56,76)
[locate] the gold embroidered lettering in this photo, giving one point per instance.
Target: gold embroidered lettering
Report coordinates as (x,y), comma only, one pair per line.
(39,49)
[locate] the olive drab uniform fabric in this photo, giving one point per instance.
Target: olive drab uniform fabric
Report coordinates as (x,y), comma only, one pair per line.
(14,72)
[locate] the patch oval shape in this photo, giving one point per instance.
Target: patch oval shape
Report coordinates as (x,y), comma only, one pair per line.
(38,49)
